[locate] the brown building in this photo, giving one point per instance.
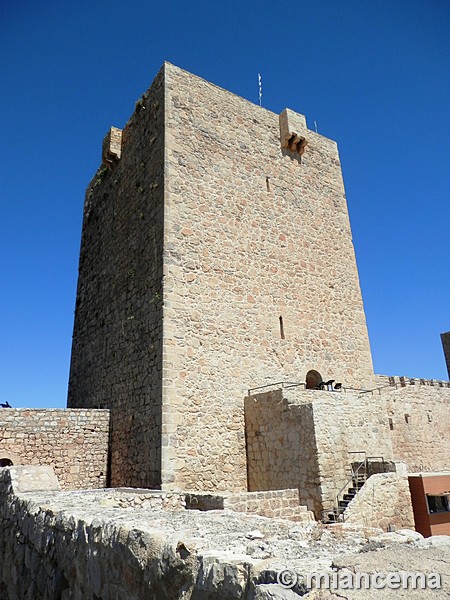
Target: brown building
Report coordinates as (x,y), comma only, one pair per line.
(430,496)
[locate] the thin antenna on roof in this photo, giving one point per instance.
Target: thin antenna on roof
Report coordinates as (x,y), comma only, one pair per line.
(315,126)
(260,87)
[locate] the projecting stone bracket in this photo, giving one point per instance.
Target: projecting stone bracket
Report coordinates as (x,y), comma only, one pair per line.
(293,131)
(112,146)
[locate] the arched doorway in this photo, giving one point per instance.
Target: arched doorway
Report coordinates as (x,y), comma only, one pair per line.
(313,380)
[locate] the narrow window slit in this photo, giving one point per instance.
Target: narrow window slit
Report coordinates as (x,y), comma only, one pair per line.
(268,186)
(281,329)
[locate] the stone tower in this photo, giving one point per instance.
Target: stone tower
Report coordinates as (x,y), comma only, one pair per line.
(445,339)
(216,256)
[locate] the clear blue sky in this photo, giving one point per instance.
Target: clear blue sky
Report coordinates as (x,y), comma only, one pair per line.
(374,74)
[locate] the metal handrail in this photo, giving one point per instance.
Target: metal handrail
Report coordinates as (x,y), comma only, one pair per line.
(336,507)
(291,384)
(281,385)
(378,390)
(355,473)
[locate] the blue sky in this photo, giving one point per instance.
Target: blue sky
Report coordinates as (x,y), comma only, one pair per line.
(373,74)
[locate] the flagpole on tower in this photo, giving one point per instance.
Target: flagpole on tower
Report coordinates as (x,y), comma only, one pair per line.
(260,87)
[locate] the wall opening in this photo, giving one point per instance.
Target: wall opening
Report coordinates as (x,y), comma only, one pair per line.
(313,380)
(6,462)
(282,336)
(438,503)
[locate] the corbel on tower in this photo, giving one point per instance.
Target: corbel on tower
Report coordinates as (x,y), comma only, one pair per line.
(293,131)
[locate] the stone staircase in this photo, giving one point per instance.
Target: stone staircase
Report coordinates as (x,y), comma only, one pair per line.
(335,515)
(359,475)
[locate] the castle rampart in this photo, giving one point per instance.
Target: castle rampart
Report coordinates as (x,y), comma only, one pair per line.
(310,438)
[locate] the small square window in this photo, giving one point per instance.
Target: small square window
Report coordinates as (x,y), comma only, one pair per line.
(438,504)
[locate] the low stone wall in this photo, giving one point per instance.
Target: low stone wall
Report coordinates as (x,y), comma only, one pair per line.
(49,550)
(282,504)
(383,501)
(138,498)
(73,442)
(82,545)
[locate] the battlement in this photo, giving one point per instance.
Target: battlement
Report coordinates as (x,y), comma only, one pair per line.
(401,381)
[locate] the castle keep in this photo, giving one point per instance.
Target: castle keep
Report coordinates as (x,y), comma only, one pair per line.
(216,256)
(220,352)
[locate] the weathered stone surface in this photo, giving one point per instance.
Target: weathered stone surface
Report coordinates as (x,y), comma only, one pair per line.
(72,442)
(31,479)
(410,559)
(273,592)
(70,545)
(213,260)
(384,501)
(307,439)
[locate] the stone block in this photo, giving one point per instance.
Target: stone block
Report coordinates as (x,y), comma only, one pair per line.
(32,479)
(293,131)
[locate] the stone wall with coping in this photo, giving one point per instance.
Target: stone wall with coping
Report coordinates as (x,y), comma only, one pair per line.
(419,426)
(282,504)
(73,442)
(383,501)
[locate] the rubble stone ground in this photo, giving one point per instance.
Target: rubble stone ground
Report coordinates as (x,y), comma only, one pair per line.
(223,554)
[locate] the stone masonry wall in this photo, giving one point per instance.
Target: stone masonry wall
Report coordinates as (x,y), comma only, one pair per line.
(281,447)
(281,504)
(260,278)
(306,439)
(344,424)
(383,501)
(212,260)
(73,442)
(117,344)
(419,421)
(302,439)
